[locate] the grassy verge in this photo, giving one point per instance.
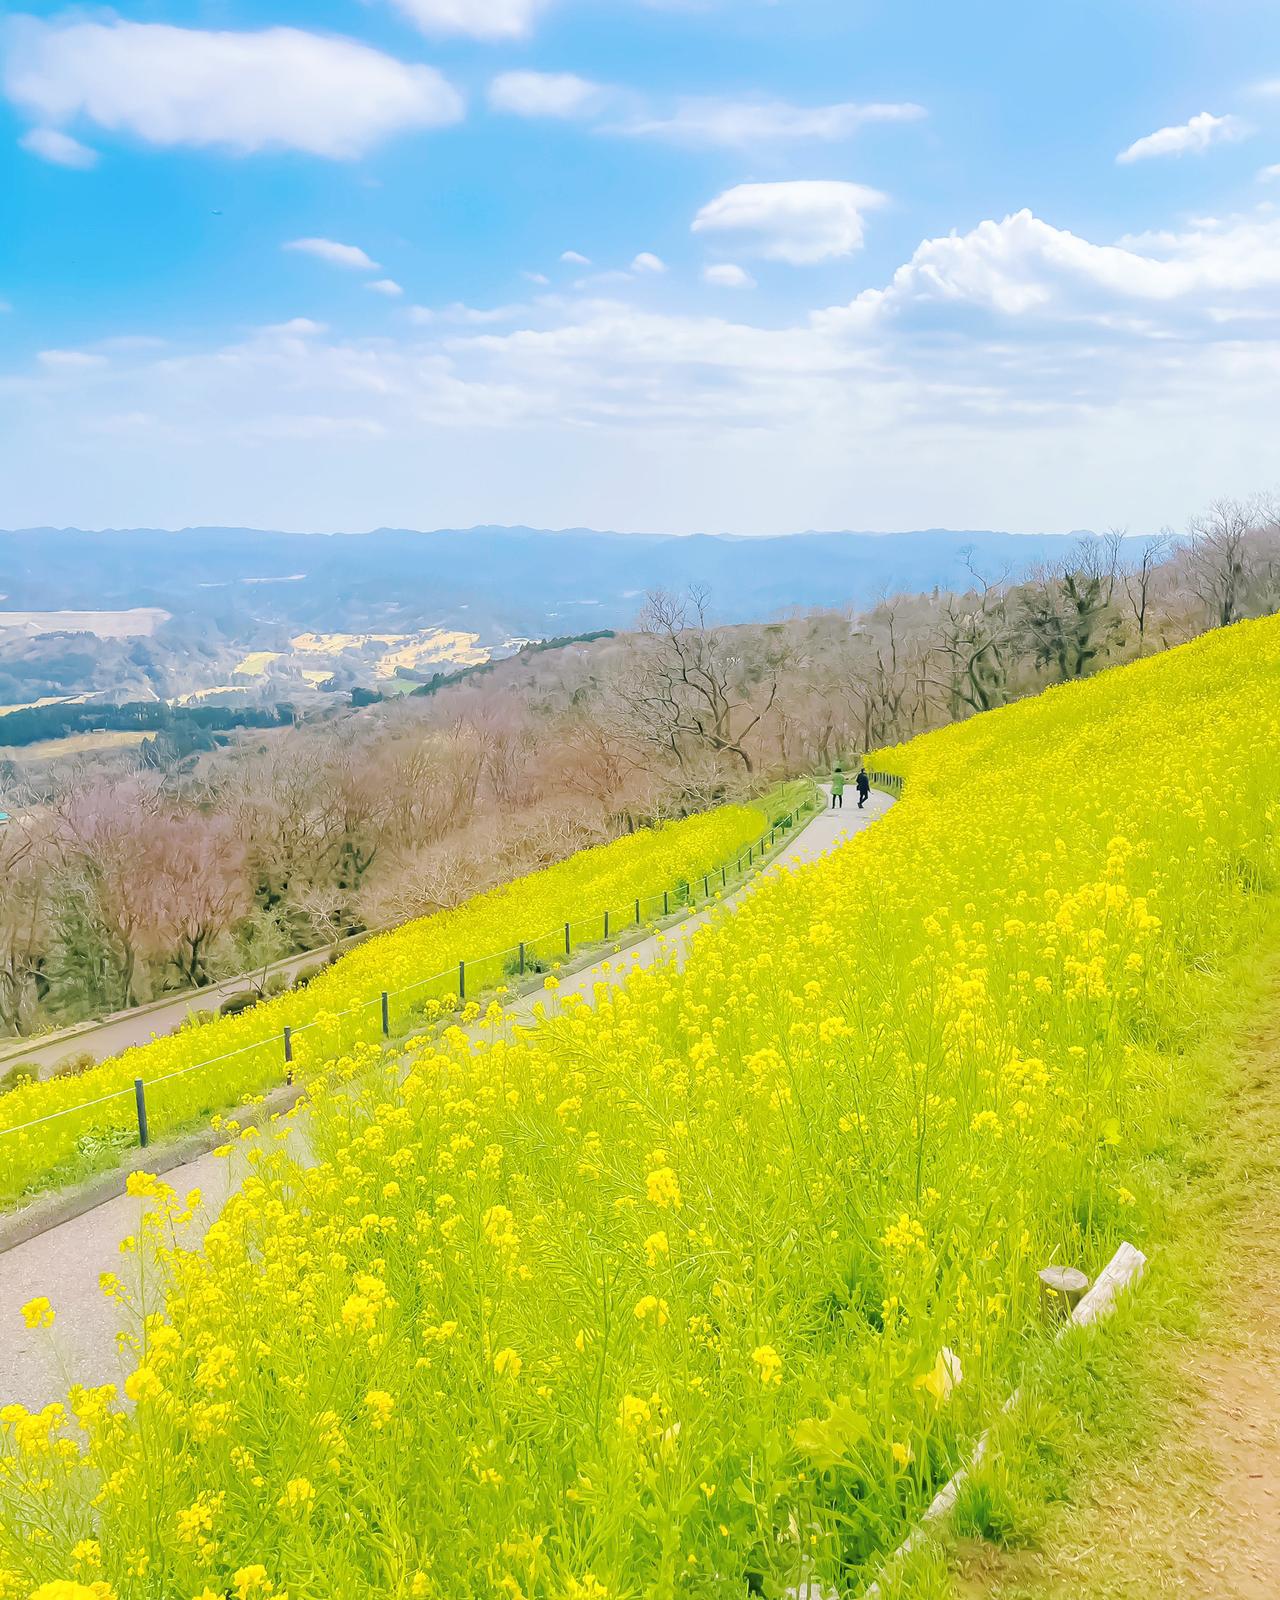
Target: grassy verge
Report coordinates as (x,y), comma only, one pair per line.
(1126,1470)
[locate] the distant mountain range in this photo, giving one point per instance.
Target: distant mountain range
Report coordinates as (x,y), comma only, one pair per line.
(500,583)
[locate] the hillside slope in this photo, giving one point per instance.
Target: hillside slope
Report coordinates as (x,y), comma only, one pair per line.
(706,1290)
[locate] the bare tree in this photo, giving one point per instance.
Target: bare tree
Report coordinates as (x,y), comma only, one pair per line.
(696,690)
(202,887)
(107,837)
(1218,557)
(1138,577)
(27,860)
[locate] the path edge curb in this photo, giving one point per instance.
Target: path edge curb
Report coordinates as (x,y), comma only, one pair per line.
(49,1212)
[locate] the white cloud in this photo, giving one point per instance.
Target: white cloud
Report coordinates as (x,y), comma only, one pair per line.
(1269,174)
(60,148)
(387,286)
(1022,266)
(1196,135)
(476,19)
(296,328)
(545,94)
(278,87)
(745,122)
(1270,86)
(575,259)
(337,255)
(646,261)
(559,418)
(70,360)
(801,222)
(725,275)
(539,278)
(464,315)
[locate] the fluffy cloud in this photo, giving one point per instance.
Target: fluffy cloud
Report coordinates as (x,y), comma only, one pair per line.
(725,275)
(1023,265)
(802,221)
(1194,136)
(60,148)
(646,261)
(575,258)
(1269,174)
(745,122)
(337,255)
(477,19)
(545,94)
(276,88)
(387,286)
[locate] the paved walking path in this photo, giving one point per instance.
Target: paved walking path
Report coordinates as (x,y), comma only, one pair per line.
(115,1034)
(65,1263)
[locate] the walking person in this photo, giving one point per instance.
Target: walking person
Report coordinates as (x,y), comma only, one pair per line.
(837,788)
(863,783)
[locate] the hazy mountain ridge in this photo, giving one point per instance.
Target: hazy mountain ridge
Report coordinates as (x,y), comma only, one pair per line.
(496,581)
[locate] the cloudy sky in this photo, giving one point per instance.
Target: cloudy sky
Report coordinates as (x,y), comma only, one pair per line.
(671,265)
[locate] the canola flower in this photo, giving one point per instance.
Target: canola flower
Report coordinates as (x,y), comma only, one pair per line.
(246,1049)
(708,1287)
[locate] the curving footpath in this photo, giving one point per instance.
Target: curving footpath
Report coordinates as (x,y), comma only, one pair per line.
(65,1263)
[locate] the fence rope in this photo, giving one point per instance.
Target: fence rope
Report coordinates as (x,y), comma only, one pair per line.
(784,821)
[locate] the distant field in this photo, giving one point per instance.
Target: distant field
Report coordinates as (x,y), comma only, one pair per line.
(139,623)
(47,700)
(75,744)
(256,662)
(433,648)
(196,695)
(391,651)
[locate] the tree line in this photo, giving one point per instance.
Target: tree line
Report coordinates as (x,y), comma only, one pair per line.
(121,886)
(32,724)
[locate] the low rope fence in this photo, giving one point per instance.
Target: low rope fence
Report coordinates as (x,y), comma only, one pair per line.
(393,1012)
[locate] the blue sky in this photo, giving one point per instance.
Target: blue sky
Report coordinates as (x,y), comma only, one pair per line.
(845,263)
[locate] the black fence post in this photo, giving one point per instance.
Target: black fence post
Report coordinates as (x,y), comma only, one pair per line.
(666,902)
(724,878)
(462,980)
(568,947)
(606,927)
(288,1055)
(637,913)
(706,887)
(522,958)
(140,1101)
(386,1015)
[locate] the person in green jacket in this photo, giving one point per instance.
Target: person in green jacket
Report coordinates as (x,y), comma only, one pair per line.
(837,788)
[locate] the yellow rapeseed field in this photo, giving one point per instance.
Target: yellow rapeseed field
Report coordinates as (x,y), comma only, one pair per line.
(704,1291)
(417,963)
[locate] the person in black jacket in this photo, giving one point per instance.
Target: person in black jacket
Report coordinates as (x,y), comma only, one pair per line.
(863,786)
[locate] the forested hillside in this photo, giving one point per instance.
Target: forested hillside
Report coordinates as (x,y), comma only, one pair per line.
(189,866)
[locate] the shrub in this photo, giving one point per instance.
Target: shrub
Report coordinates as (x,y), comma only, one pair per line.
(240,1001)
(74,1065)
(17,1076)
